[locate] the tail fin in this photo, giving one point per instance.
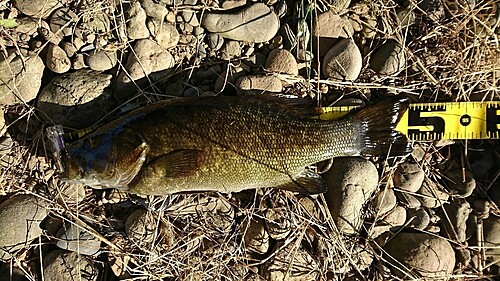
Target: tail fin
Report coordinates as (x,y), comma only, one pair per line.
(378,125)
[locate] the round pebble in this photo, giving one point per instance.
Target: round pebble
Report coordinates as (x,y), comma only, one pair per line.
(164,33)
(455,219)
(418,219)
(351,182)
(343,61)
(409,177)
(432,194)
(281,61)
(76,239)
(260,83)
(136,23)
(20,218)
(60,265)
(36,8)
(256,23)
(20,78)
(388,59)
(102,60)
(422,254)
(57,59)
(62,21)
(384,201)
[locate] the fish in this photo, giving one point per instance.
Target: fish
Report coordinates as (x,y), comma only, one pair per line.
(228,144)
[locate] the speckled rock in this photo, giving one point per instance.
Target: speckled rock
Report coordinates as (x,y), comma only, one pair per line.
(60,265)
(20,78)
(388,59)
(77,99)
(455,219)
(37,8)
(460,186)
(491,233)
(417,219)
(331,25)
(409,177)
(102,60)
(281,61)
(339,6)
(62,21)
(343,61)
(351,182)
(140,227)
(154,10)
(57,60)
(259,83)
(291,262)
(256,23)
(76,239)
(136,23)
(256,237)
(20,218)
(164,33)
(215,41)
(432,194)
(230,50)
(149,60)
(65,192)
(384,201)
(423,254)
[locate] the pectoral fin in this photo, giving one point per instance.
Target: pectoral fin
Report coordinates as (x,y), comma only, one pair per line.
(178,163)
(306,182)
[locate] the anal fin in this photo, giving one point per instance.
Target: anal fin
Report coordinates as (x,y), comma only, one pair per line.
(306,182)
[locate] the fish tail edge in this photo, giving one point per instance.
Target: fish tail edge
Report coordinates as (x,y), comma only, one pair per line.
(378,124)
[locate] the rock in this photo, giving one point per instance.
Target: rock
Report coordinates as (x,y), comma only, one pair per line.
(60,265)
(290,262)
(455,219)
(259,83)
(76,239)
(57,60)
(409,177)
(256,237)
(278,224)
(140,227)
(388,59)
(231,4)
(331,25)
(230,50)
(432,9)
(384,201)
(417,219)
(396,217)
(281,61)
(20,78)
(164,33)
(339,6)
(69,48)
(458,185)
(408,200)
(156,11)
(62,21)
(406,16)
(257,24)
(432,194)
(78,99)
(228,77)
(149,62)
(79,62)
(190,18)
(65,192)
(491,242)
(343,61)
(136,23)
(215,41)
(422,254)
(29,26)
(37,8)
(3,126)
(351,182)
(102,60)
(20,218)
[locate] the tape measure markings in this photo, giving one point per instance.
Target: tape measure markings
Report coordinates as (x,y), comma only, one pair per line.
(441,120)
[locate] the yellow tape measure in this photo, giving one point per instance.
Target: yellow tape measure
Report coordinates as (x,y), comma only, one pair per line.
(443,120)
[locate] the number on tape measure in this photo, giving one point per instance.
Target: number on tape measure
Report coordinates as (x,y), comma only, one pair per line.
(445,120)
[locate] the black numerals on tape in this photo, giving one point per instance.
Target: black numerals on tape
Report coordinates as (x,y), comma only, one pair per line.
(493,120)
(420,125)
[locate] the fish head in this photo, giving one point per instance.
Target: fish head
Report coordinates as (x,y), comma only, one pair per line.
(105,160)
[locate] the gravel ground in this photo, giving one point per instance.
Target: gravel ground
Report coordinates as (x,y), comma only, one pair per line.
(430,216)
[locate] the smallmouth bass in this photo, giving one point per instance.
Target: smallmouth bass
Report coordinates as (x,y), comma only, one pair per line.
(227,144)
